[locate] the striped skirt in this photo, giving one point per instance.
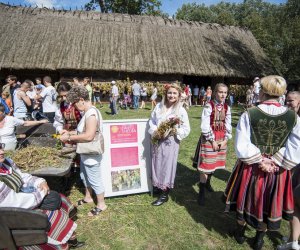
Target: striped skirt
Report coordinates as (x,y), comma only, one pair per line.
(210,160)
(62,228)
(259,197)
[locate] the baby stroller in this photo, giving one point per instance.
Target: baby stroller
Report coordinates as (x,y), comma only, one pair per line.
(125,102)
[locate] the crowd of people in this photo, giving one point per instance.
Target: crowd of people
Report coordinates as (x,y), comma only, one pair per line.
(262,189)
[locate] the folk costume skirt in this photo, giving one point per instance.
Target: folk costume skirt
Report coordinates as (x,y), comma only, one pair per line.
(208,159)
(164,162)
(259,197)
(62,228)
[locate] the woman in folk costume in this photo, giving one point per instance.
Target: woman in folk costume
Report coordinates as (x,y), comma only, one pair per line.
(23,190)
(165,152)
(267,146)
(211,150)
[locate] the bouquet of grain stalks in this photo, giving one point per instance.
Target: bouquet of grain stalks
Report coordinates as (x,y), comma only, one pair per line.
(165,129)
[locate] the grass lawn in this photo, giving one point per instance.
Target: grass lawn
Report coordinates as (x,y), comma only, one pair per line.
(130,222)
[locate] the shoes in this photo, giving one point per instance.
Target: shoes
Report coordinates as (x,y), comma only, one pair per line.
(156,191)
(259,240)
(289,245)
(75,243)
(201,196)
(164,197)
(96,211)
(208,185)
(239,233)
(82,202)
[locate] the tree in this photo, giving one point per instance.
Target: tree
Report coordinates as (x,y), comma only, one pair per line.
(133,7)
(276,27)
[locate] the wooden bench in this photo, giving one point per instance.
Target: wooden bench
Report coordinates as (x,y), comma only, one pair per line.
(22,227)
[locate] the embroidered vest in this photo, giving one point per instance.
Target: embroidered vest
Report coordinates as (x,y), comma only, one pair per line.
(270,132)
(218,116)
(71,116)
(13,180)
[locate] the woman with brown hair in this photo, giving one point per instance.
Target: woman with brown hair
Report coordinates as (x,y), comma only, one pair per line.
(90,164)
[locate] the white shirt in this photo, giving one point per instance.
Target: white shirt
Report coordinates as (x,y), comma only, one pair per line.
(90,159)
(136,88)
(31,94)
(115,91)
(49,103)
(256,87)
(9,198)
(287,157)
(157,118)
(205,123)
(7,133)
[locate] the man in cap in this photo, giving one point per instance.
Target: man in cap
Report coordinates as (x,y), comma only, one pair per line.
(114,97)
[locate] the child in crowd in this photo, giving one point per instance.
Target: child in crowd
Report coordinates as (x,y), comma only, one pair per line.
(208,94)
(212,146)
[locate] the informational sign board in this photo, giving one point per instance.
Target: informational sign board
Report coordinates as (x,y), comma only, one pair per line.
(126,162)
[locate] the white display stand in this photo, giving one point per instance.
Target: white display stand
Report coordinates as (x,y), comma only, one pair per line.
(126,162)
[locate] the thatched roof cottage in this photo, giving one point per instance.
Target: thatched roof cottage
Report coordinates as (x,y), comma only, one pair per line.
(39,41)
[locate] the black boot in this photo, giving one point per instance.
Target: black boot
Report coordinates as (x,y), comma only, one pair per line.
(201,196)
(259,240)
(156,190)
(239,233)
(164,197)
(208,185)
(75,243)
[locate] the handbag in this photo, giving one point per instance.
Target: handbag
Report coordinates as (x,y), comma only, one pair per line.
(96,146)
(51,202)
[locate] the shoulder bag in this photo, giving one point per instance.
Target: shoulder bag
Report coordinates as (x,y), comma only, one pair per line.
(96,146)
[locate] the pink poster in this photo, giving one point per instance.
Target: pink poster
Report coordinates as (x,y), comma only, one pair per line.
(121,157)
(126,133)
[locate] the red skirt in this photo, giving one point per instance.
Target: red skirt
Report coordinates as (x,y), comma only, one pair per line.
(210,160)
(62,228)
(259,197)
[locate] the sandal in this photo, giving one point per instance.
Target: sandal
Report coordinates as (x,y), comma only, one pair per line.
(95,211)
(82,202)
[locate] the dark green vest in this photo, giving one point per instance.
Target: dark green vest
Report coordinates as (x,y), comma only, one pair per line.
(270,132)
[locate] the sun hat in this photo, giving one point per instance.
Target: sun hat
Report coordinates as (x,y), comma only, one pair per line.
(113,82)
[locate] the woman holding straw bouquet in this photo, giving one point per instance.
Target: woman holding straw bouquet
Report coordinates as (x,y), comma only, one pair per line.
(169,124)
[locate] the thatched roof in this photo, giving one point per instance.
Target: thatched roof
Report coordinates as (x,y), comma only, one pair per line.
(40,38)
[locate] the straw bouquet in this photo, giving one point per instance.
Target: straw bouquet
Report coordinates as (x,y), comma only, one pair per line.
(165,129)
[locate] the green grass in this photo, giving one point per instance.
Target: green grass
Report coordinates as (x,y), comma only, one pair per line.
(130,222)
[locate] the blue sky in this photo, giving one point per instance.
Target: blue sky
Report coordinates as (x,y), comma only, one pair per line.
(168,6)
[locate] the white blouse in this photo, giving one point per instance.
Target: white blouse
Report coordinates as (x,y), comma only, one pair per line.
(287,157)
(9,198)
(157,118)
(206,126)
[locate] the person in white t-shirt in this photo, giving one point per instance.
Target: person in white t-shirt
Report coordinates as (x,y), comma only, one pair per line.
(7,128)
(114,97)
(48,96)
